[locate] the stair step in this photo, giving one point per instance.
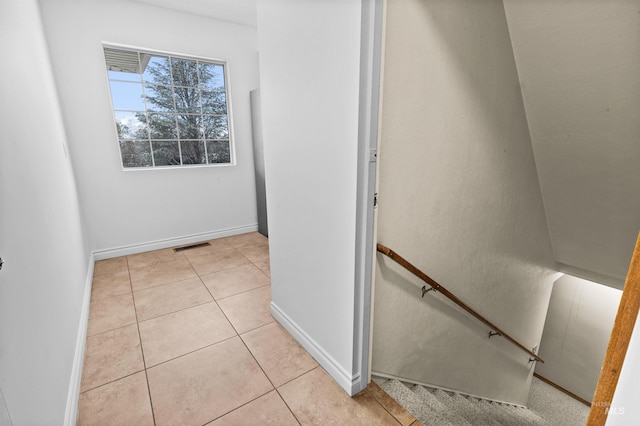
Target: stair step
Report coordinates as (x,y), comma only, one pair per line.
(453,404)
(414,404)
(439,407)
(495,413)
(528,417)
(500,413)
(435,407)
(473,413)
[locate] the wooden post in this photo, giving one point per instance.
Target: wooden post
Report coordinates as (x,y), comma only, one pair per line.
(618,343)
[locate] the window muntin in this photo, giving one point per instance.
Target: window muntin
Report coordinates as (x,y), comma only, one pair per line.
(169,110)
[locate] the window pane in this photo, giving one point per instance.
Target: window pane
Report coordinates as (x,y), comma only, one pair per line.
(212,76)
(187,99)
(193,152)
(128,76)
(156,69)
(185,72)
(166,153)
(168,110)
(159,98)
(216,127)
(135,154)
(127,96)
(218,152)
(131,125)
(190,126)
(214,101)
(162,126)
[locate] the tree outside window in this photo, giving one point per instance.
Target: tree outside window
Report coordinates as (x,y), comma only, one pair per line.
(169,111)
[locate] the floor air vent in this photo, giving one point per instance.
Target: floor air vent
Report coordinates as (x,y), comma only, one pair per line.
(192,246)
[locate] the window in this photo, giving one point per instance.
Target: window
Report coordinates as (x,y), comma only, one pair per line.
(169,110)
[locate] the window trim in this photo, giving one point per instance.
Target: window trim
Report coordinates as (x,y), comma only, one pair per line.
(187,56)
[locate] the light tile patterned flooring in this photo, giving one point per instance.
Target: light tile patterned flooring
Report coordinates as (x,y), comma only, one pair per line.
(187,338)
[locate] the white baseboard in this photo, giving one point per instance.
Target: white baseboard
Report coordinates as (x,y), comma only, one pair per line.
(172,242)
(76,371)
(350,383)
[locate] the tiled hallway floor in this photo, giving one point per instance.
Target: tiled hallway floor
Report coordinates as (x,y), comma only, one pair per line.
(187,338)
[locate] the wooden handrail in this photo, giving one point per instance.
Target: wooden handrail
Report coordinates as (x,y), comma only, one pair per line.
(561,389)
(495,330)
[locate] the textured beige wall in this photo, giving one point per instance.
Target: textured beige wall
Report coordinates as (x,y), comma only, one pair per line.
(576,333)
(459,197)
(579,62)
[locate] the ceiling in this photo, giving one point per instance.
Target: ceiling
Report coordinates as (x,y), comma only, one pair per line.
(237,11)
(579,66)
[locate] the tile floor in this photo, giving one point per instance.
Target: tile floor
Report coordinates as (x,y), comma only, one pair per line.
(187,338)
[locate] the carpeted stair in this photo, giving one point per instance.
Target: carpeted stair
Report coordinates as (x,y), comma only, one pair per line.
(435,407)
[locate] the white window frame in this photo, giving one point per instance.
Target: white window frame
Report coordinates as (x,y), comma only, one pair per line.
(174,55)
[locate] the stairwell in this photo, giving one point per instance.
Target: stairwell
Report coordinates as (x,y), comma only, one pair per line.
(435,407)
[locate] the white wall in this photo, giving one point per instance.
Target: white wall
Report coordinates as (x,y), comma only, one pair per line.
(576,333)
(43,282)
(309,76)
(459,198)
(130,208)
(624,409)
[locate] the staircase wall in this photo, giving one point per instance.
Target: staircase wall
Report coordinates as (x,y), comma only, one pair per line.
(576,333)
(459,198)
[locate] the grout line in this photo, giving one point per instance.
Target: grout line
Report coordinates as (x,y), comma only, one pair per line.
(190,352)
(254,329)
(251,353)
(223,313)
(166,284)
(244,291)
(257,363)
(300,375)
(240,406)
(285,401)
(111,381)
(213,272)
(131,291)
(154,264)
(287,405)
(144,361)
(213,301)
(109,297)
(269,379)
(112,329)
(176,311)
